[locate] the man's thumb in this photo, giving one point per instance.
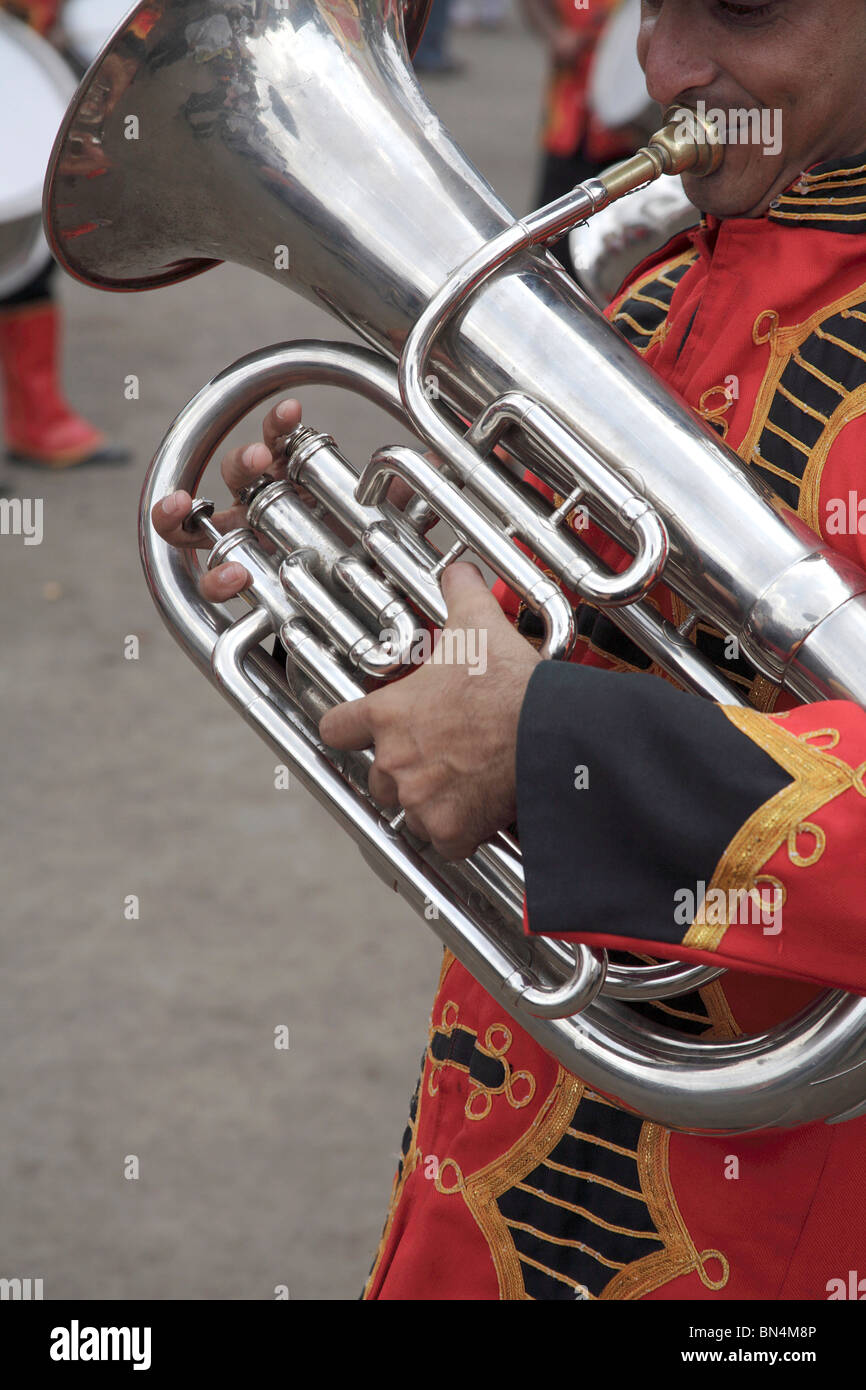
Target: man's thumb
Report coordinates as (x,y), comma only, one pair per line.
(466,594)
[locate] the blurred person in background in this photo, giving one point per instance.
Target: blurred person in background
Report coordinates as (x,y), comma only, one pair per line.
(40,428)
(575,145)
(433,55)
(479,14)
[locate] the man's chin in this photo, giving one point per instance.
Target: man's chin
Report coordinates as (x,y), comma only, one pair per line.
(724,195)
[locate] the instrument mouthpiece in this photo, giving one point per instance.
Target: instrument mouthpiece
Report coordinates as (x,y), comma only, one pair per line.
(688,142)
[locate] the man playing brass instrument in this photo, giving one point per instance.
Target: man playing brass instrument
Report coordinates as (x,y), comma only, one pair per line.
(658,818)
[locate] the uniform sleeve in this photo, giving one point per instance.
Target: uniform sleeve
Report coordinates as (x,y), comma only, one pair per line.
(653,820)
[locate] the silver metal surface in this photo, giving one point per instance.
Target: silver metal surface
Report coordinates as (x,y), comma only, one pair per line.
(308,119)
(807,1069)
(606,248)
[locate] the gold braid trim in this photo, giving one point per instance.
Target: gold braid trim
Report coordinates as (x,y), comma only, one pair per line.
(481,1190)
(764,694)
(784,343)
(680,1255)
(655,273)
(819,778)
(635,294)
(555,1118)
(853,406)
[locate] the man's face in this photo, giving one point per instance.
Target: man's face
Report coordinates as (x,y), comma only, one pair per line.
(802,59)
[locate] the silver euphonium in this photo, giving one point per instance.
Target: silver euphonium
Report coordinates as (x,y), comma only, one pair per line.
(299,125)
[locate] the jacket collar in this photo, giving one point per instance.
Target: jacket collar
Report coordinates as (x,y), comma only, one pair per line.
(830,197)
(827,197)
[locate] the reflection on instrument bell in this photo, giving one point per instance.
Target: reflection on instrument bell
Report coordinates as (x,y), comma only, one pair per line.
(607,248)
(309,119)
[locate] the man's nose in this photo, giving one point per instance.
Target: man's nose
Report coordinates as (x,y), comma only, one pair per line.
(675,52)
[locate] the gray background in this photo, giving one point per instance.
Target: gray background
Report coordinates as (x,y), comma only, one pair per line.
(155,1037)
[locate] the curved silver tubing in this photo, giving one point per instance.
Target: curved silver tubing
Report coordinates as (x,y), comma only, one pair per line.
(172,578)
(699,1086)
(475,531)
(194,436)
(643,984)
(589,474)
(295,108)
(695,1083)
(797,619)
(527,520)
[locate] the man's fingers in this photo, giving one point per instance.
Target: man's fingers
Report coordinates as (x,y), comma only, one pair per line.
(469,600)
(383,789)
(243,466)
(279,422)
(170,512)
(416,827)
(239,468)
(348,726)
(168,516)
(223,582)
(219,584)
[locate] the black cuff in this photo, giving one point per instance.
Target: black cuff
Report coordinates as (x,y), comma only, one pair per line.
(628,792)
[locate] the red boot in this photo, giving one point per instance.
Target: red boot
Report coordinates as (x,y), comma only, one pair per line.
(41,428)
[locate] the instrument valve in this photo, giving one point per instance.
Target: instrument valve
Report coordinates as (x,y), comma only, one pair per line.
(248,494)
(445,560)
(199,518)
(566,507)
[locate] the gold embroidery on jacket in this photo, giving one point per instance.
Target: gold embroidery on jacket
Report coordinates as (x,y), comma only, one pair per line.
(570,1111)
(851,408)
(819,778)
(715,414)
(644,297)
(787,346)
(814,199)
(518,1087)
(560,1116)
(647,1274)
(763,694)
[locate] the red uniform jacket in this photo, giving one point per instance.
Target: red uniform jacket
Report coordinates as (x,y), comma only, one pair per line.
(516,1181)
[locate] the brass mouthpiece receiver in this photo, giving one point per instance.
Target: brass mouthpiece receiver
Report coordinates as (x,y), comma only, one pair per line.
(685,143)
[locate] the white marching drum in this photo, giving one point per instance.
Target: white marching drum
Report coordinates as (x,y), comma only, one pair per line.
(617,89)
(35,89)
(87,24)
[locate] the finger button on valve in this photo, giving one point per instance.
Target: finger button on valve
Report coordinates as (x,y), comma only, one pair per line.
(200,518)
(200,511)
(250,491)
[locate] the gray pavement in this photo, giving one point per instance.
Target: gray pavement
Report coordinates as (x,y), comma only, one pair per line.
(155,1037)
